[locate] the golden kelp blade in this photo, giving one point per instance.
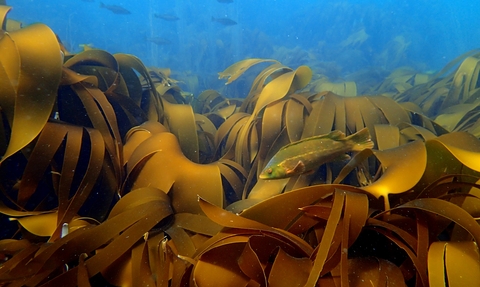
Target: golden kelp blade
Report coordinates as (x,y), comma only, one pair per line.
(131,222)
(27,114)
(260,81)
(347,89)
(136,135)
(251,246)
(56,155)
(163,166)
(237,69)
(453,153)
(454,264)
(303,236)
(276,89)
(13,25)
(151,104)
(374,272)
(3,15)
(45,224)
(180,121)
(405,161)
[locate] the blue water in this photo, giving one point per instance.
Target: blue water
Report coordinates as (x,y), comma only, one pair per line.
(423,34)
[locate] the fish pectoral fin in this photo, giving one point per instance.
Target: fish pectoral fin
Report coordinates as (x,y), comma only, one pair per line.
(298,168)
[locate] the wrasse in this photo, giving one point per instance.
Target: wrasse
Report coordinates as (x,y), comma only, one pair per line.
(308,154)
(224,21)
(159,41)
(115,9)
(166,17)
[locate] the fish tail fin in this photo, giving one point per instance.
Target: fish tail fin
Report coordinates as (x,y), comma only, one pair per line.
(361,140)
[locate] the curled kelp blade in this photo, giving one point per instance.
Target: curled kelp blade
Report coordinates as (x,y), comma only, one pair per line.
(159,162)
(45,224)
(464,81)
(462,117)
(160,250)
(227,134)
(206,141)
(133,223)
(233,177)
(431,213)
(333,112)
(284,208)
(4,9)
(207,101)
(376,271)
(347,89)
(453,264)
(437,93)
(56,155)
(410,160)
(237,69)
(276,89)
(145,96)
(36,49)
(269,73)
(230,220)
(453,153)
(251,245)
(180,120)
(136,135)
(95,100)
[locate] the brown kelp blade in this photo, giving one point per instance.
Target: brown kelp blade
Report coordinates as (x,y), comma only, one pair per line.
(454,264)
(28,103)
(237,69)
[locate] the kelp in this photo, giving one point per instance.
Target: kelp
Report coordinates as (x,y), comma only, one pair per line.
(348,89)
(111,174)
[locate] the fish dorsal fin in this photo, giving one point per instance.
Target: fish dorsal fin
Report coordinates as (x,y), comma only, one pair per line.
(336,135)
(297,169)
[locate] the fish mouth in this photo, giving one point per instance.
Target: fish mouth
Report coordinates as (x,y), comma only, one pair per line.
(263,176)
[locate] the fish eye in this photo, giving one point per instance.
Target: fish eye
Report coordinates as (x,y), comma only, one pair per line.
(269,171)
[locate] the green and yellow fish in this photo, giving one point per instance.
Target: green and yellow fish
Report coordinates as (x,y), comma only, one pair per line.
(308,154)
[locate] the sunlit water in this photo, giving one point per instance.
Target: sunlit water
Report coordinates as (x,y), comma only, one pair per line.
(347,35)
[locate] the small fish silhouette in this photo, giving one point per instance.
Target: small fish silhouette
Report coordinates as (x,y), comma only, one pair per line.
(166,17)
(159,41)
(224,21)
(115,9)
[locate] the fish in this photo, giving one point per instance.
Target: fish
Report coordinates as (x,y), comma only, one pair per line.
(306,155)
(166,17)
(225,1)
(159,40)
(224,21)
(115,9)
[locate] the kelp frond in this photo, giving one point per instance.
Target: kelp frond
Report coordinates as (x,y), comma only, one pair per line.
(112,175)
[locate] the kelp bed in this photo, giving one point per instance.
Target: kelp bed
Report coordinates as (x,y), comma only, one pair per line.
(111,176)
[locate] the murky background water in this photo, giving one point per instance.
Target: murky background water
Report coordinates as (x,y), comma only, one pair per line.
(335,38)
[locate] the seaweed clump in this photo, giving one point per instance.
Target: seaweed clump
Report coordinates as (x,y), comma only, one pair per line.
(112,175)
